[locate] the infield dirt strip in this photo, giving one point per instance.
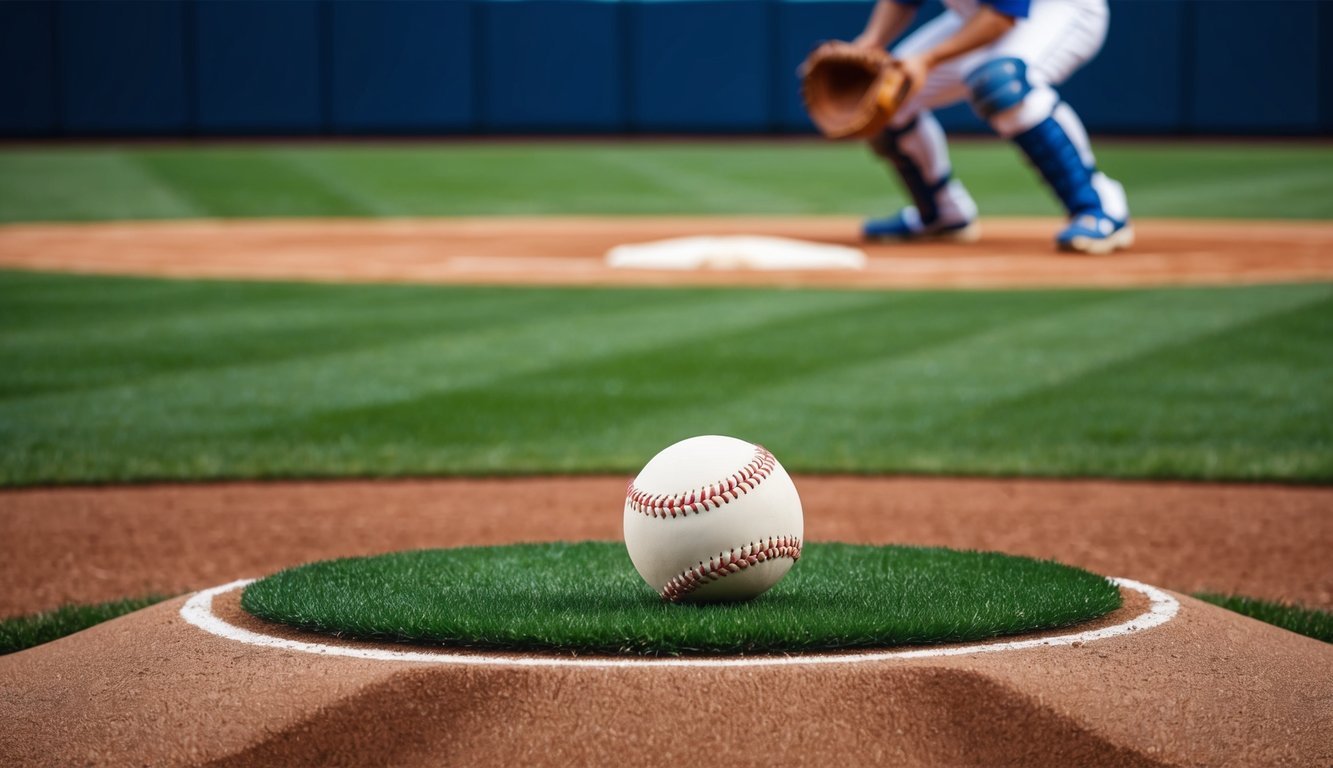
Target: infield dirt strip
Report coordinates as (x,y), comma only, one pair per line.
(569,251)
(1205,686)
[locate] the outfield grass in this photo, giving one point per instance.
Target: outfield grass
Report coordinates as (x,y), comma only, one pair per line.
(116,379)
(23,632)
(1303,621)
(1173,178)
(587,597)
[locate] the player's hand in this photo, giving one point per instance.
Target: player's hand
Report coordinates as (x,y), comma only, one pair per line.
(867,42)
(917,69)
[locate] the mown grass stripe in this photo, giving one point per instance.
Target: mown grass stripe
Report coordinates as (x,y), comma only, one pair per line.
(924,408)
(249,182)
(518,333)
(84,185)
(205,380)
(1242,180)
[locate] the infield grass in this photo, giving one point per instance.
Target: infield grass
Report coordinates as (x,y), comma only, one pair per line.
(587,597)
(115,380)
(1166,178)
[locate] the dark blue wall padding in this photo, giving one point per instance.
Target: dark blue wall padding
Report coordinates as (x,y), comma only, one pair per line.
(1325,11)
(304,67)
(1137,83)
(27,68)
(402,67)
(123,67)
(1256,67)
(552,65)
(703,65)
(257,66)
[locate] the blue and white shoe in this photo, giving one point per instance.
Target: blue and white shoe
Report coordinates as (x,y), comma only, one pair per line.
(907,225)
(1096,233)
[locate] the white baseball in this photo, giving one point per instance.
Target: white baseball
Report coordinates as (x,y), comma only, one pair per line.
(713,518)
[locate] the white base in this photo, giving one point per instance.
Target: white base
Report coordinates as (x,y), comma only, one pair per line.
(735,252)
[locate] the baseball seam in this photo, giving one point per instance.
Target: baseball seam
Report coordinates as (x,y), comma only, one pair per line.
(711,496)
(729,562)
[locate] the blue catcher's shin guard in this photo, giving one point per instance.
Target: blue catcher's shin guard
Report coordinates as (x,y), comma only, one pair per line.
(1058,161)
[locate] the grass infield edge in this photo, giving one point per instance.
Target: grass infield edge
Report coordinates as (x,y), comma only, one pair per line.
(1310,622)
(18,633)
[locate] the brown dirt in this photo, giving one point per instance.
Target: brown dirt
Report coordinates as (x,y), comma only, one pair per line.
(568,251)
(1208,688)
(94,544)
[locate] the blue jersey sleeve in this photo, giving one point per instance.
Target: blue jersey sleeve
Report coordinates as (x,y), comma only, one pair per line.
(1016,8)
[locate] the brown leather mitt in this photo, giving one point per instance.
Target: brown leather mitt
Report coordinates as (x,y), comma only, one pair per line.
(851,92)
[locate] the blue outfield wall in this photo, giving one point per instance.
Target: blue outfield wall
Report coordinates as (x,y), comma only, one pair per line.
(551,66)
(28,93)
(363,67)
(702,65)
(401,67)
(237,88)
(120,67)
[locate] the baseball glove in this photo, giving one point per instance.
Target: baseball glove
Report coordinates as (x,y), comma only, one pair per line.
(851,92)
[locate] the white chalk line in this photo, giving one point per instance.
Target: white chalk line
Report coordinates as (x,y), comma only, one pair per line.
(198,610)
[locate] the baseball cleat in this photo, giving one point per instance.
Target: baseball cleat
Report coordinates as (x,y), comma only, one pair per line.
(907,225)
(1095,233)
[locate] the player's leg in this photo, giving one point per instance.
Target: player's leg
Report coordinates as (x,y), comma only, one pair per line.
(1012,91)
(914,147)
(941,206)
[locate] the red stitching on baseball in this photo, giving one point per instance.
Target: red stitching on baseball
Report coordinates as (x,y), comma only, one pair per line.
(711,496)
(729,562)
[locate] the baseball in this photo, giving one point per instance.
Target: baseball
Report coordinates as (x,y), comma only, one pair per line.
(713,518)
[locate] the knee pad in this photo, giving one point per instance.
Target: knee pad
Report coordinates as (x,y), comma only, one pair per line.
(997,85)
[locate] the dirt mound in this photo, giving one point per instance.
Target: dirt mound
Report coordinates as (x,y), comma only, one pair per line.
(569,251)
(1207,687)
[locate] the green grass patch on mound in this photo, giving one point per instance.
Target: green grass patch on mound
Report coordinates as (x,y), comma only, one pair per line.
(1303,621)
(22,632)
(587,597)
(125,380)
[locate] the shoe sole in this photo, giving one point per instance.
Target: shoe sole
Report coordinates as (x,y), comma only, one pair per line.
(969,234)
(1098,246)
